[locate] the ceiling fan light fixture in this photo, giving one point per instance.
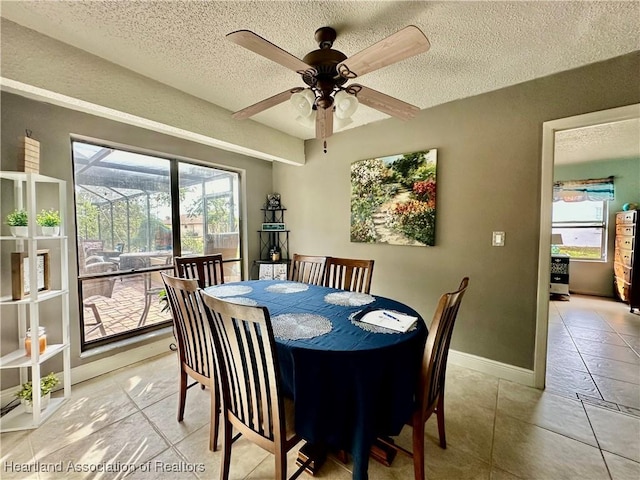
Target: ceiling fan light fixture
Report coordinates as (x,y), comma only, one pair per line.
(303,102)
(346,105)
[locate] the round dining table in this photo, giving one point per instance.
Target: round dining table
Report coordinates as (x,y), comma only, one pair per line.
(350,381)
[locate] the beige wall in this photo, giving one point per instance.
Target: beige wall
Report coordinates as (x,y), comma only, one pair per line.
(52,126)
(489,170)
(37,60)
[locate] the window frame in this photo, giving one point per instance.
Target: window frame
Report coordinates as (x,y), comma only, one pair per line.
(174,179)
(578,224)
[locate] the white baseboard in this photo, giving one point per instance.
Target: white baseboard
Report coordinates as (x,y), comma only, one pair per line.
(104,365)
(491,367)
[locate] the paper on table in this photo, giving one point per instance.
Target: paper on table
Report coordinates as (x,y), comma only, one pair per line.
(389,319)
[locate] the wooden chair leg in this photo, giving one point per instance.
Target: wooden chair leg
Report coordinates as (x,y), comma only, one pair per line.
(418,449)
(226,450)
(182,394)
(215,419)
(440,416)
(281,463)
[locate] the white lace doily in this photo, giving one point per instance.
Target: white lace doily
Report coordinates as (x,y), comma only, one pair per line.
(375,328)
(229,290)
(295,326)
(242,301)
(349,299)
(287,287)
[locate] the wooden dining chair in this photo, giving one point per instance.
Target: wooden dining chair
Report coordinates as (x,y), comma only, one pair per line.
(430,394)
(207,269)
(307,269)
(195,348)
(349,274)
(252,402)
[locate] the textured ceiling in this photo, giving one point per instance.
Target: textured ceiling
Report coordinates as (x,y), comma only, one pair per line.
(475,46)
(616,140)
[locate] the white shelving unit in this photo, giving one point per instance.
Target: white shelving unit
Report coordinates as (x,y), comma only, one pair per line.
(25,197)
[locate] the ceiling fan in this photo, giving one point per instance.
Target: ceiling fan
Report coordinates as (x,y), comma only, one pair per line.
(326,71)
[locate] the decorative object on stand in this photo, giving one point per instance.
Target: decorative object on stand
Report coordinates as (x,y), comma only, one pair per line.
(25,394)
(393,199)
(49,221)
(274,242)
(556,242)
(273,227)
(41,340)
(29,161)
(18,221)
(273,201)
(21,279)
(325,71)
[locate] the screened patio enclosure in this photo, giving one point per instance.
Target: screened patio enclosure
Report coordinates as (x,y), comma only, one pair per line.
(134,212)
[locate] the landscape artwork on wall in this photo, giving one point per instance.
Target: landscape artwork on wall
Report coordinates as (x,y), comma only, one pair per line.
(393,199)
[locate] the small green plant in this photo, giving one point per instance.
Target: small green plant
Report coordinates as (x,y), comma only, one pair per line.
(18,218)
(47,384)
(48,218)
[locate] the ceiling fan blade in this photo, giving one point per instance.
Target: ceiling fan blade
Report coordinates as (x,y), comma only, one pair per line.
(378,100)
(324,123)
(259,45)
(265,104)
(403,44)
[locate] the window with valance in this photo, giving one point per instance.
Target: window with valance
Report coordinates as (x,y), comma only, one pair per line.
(580,213)
(597,189)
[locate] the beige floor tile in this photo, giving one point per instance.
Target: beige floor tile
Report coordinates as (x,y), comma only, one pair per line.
(245,456)
(616,432)
(498,474)
(565,380)
(17,455)
(604,350)
(163,414)
(623,393)
(558,414)
(151,382)
(469,386)
(530,451)
(621,468)
(168,465)
(91,408)
(468,428)
(596,335)
(565,359)
(121,446)
(605,367)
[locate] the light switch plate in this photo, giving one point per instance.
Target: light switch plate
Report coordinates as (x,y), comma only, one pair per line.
(498,239)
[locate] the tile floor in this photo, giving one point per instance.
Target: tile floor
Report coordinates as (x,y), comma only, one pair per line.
(496,430)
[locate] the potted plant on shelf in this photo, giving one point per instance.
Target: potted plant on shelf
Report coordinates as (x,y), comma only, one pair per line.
(25,394)
(18,221)
(49,221)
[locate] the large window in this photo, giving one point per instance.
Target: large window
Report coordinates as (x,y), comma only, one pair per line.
(135,212)
(583,229)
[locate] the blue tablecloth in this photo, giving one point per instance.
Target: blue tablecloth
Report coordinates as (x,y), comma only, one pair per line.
(350,381)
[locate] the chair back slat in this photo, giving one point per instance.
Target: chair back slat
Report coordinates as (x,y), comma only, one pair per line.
(190,324)
(247,359)
(207,269)
(349,274)
(436,350)
(307,269)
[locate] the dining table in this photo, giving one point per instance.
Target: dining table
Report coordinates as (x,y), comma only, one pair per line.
(350,381)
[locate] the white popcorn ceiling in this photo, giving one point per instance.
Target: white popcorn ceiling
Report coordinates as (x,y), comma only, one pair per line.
(475,46)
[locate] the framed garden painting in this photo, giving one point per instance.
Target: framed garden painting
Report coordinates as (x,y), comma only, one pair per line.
(393,199)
